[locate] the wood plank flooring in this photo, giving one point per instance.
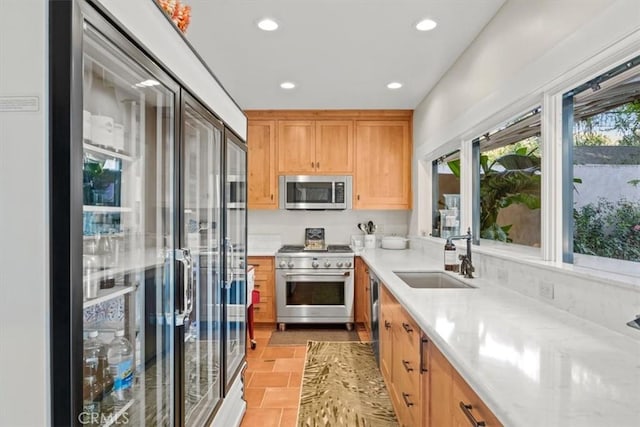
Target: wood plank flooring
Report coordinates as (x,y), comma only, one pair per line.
(273,379)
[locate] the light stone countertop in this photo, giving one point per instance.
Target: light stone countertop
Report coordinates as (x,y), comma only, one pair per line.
(531,363)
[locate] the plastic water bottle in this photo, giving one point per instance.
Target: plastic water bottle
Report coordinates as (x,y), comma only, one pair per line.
(120,356)
(96,365)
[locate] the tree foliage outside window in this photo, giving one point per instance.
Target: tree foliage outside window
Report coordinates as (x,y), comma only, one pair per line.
(610,227)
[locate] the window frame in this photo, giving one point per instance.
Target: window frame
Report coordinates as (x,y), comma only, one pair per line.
(567,254)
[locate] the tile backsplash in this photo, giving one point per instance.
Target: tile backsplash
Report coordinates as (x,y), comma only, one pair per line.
(605,302)
(339,225)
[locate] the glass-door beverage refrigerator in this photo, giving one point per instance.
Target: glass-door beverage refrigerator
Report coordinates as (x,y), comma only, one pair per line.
(148,256)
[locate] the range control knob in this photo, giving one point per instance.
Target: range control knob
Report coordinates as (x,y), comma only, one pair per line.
(291,264)
(283,264)
(327,264)
(315,264)
(348,264)
(339,264)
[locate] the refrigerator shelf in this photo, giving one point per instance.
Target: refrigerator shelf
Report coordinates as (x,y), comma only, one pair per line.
(108,294)
(105,209)
(88,145)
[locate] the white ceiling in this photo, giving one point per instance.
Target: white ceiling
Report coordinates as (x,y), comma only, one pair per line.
(340,53)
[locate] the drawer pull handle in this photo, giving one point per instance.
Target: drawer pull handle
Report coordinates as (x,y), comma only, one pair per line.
(407,327)
(405,397)
(466,409)
(407,368)
(387,324)
(423,344)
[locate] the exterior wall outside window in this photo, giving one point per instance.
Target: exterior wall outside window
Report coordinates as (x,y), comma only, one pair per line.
(604,139)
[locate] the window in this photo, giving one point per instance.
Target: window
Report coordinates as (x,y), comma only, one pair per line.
(602,135)
(446,195)
(507,182)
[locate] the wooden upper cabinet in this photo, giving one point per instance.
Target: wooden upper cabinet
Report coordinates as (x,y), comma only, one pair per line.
(261,174)
(296,147)
(334,147)
(383,165)
(315,147)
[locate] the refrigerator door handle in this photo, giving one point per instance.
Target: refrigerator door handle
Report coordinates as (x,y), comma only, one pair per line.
(231,264)
(184,256)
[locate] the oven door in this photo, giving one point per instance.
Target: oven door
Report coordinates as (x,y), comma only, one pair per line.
(312,296)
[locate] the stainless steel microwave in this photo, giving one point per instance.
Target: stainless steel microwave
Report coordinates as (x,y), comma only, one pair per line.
(315,192)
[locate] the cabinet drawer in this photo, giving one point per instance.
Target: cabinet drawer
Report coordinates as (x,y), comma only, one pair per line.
(263,311)
(264,287)
(262,263)
(265,276)
(407,331)
(408,389)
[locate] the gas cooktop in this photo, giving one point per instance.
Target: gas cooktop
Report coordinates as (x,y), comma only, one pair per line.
(342,249)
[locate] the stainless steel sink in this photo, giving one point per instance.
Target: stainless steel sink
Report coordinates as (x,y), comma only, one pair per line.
(430,280)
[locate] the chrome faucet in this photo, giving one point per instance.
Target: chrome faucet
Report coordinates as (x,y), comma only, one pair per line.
(466,267)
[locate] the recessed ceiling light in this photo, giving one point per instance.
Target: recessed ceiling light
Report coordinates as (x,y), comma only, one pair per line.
(268,25)
(287,85)
(426,25)
(394,85)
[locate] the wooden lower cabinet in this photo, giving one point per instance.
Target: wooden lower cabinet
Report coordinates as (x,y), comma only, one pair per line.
(362,294)
(386,333)
(264,311)
(400,359)
(452,402)
(441,390)
(425,389)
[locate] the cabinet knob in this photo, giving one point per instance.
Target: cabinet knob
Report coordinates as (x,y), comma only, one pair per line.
(387,324)
(405,397)
(406,365)
(311,164)
(407,327)
(358,197)
(318,165)
(272,197)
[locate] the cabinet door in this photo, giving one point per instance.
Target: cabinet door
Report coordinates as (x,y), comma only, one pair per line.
(386,335)
(264,311)
(474,407)
(334,147)
(296,147)
(263,185)
(441,389)
(383,165)
(359,297)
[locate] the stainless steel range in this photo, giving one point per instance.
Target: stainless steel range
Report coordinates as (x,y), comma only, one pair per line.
(314,284)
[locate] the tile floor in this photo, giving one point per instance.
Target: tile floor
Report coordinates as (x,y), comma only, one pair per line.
(272,381)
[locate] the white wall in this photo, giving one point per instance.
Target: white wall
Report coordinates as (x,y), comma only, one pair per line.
(339,225)
(24,291)
(529,45)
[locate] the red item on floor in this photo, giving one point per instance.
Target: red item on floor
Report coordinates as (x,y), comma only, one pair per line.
(255,298)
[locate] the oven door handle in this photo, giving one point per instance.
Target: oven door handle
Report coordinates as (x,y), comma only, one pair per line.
(343,274)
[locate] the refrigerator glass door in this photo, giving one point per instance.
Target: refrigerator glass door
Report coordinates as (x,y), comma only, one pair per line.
(235,274)
(128,256)
(202,201)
